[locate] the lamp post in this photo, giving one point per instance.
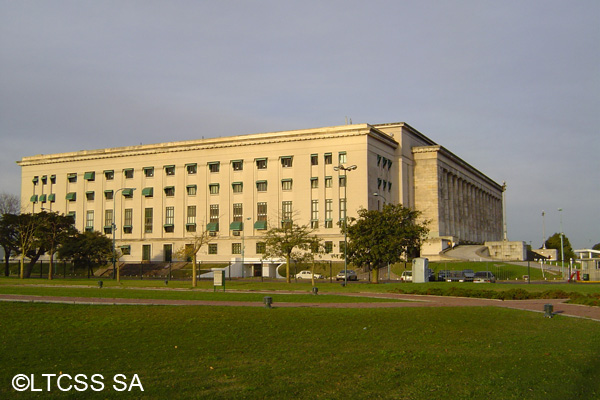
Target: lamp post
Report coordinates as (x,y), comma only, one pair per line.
(244,244)
(345,169)
(543,229)
(114,228)
(380,195)
(562,246)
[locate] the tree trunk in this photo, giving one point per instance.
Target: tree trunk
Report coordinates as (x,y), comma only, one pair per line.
(375,275)
(194,272)
(6,262)
(287,269)
(51,267)
(22,267)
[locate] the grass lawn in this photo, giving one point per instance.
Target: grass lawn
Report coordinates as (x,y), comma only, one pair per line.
(258,353)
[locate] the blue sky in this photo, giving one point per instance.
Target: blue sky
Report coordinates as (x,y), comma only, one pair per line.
(512,87)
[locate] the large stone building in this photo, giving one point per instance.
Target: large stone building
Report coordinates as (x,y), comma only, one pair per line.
(159,196)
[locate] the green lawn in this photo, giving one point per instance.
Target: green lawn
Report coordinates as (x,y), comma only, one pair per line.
(258,353)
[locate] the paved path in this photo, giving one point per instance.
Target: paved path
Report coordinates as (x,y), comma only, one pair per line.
(537,305)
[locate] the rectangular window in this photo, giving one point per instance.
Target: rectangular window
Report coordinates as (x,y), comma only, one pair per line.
(328,181)
(109,175)
(53,179)
(170,191)
(261,186)
(191,219)
(314,214)
(89,195)
(148,220)
(108,221)
(128,172)
(191,190)
(237,165)
(314,159)
(126,250)
(214,166)
(238,187)
(261,247)
(169,170)
(327,158)
(261,163)
(286,184)
(212,248)
(148,192)
(128,220)
(149,172)
(168,253)
(286,161)
(169,219)
(238,211)
(342,157)
(213,188)
(314,183)
(342,209)
(261,211)
(192,169)
(328,213)
(109,194)
(146,252)
(89,220)
(236,248)
(342,181)
(214,213)
(89,176)
(72,178)
(286,212)
(328,247)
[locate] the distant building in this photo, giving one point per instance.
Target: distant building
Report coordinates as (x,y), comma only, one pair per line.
(160,195)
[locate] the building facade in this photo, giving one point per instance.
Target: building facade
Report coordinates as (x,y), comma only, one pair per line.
(159,196)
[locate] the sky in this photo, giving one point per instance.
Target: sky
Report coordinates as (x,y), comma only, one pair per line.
(512,87)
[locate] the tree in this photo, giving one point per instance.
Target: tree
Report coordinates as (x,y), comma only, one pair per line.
(9,204)
(57,229)
(290,241)
(377,238)
(190,251)
(26,227)
(596,246)
(88,249)
(553,242)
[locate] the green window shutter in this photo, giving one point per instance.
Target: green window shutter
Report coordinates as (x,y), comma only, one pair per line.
(43,198)
(72,196)
(89,176)
(260,225)
(35,179)
(212,227)
(128,192)
(148,192)
(34,198)
(52,197)
(236,226)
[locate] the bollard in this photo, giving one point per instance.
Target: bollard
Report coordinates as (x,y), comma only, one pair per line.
(315,290)
(166,282)
(548,310)
(268,300)
(100,283)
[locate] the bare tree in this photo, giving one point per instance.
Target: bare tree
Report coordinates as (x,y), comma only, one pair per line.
(190,251)
(9,204)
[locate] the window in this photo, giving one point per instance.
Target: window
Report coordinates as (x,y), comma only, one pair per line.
(342,181)
(191,190)
(261,247)
(378,160)
(128,173)
(261,215)
(327,158)
(261,186)
(72,196)
(109,175)
(108,221)
(389,164)
(212,248)
(342,157)
(328,213)
(328,181)
(213,188)
(128,193)
(342,209)
(286,213)
(169,170)
(237,165)
(35,180)
(148,220)
(52,179)
(379,183)
(146,252)
(52,197)
(314,183)
(261,163)
(192,169)
(128,220)
(44,179)
(73,215)
(89,176)
(109,194)
(236,248)
(238,187)
(238,212)
(89,195)
(148,192)
(190,225)
(342,245)
(149,172)
(214,213)
(314,214)
(126,250)
(170,191)
(286,184)
(72,178)
(389,186)
(34,198)
(214,166)
(168,253)
(328,247)
(286,161)
(314,159)
(169,219)
(89,220)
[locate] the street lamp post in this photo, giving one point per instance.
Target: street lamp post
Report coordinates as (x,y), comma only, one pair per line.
(543,229)
(345,169)
(380,195)
(114,228)
(244,244)
(562,246)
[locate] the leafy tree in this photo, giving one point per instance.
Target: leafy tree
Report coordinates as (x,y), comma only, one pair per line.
(291,241)
(26,228)
(56,230)
(377,238)
(8,239)
(88,249)
(190,251)
(596,246)
(553,242)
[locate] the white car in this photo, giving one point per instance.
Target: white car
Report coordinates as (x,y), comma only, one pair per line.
(351,276)
(307,275)
(406,276)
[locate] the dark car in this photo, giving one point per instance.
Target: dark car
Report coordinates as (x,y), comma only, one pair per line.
(484,277)
(468,275)
(443,275)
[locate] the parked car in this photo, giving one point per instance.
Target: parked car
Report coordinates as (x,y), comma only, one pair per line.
(406,276)
(431,275)
(443,275)
(307,275)
(455,276)
(351,275)
(468,275)
(484,277)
